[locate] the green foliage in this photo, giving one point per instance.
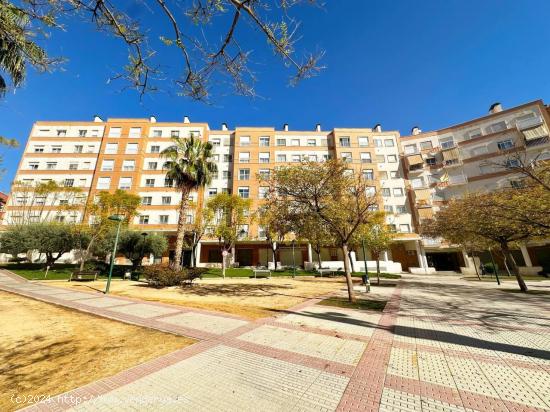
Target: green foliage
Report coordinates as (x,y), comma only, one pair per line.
(134,246)
(230,213)
(14,241)
(161,276)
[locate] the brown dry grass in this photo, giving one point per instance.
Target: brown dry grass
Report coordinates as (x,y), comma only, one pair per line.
(250,298)
(46,349)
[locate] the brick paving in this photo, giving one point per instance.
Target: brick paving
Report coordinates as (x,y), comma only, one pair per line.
(441,344)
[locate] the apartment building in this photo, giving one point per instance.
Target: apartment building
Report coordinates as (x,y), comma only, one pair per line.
(468,157)
(126,154)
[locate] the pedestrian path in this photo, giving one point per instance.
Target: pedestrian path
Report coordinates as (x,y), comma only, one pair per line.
(441,344)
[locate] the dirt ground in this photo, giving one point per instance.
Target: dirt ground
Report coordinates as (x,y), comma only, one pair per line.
(251,298)
(47,350)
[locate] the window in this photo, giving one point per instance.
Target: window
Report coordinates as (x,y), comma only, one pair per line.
(243,192)
(152,165)
(115,132)
(512,163)
(157,133)
(244,140)
(108,165)
(505,144)
(346,157)
(312,158)
(345,142)
(135,132)
(485,169)
(166,200)
(281,158)
(68,183)
(417,182)
(215,141)
(155,149)
(111,148)
(472,134)
(385,192)
(295,142)
(264,141)
(380,158)
(281,142)
(59,218)
(38,149)
(383,175)
(43,132)
(40,200)
(82,133)
(244,174)
(296,158)
(378,142)
(73,166)
(400,209)
(146,200)
(131,148)
(56,149)
(104,183)
(410,149)
(311,142)
(389,142)
(426,145)
(388,209)
(430,161)
(86,165)
(226,174)
(90,149)
(404,228)
(517,184)
(168,182)
(174,133)
(33,165)
(129,165)
(227,158)
(368,174)
(366,158)
(189,219)
(95,133)
(363,141)
(447,142)
(263,191)
(264,174)
(163,219)
(392,159)
(144,220)
(244,157)
(51,165)
(149,182)
(370,191)
(61,132)
(398,191)
(264,157)
(497,127)
(125,183)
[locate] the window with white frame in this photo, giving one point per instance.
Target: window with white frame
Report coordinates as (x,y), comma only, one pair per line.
(392,159)
(244,157)
(215,141)
(264,141)
(107,165)
(370,191)
(73,166)
(157,133)
(472,134)
(166,200)
(111,148)
(366,157)
(82,133)
(149,182)
(447,142)
(86,165)
(346,157)
(281,142)
(152,165)
(68,183)
(497,127)
(404,228)
(281,158)
(131,148)
(168,182)
(311,142)
(61,132)
(95,133)
(400,209)
(146,200)
(174,133)
(104,183)
(296,158)
(51,165)
(56,149)
(417,182)
(244,192)
(398,191)
(388,208)
(90,149)
(115,131)
(155,149)
(264,173)
(363,141)
(426,145)
(378,143)
(39,149)
(226,174)
(505,144)
(410,149)
(33,165)
(163,219)
(389,142)
(385,192)
(345,141)
(125,183)
(129,165)
(144,219)
(244,140)
(263,191)
(368,174)
(135,132)
(264,157)
(244,174)
(295,142)
(78,148)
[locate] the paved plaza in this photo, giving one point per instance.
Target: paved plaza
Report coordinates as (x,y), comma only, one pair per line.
(441,344)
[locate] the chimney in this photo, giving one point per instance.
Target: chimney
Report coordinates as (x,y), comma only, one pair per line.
(285,127)
(378,128)
(495,108)
(318,127)
(415,130)
(152,119)
(186,119)
(224,126)
(97,119)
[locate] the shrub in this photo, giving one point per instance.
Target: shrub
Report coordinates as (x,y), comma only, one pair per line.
(490,268)
(161,276)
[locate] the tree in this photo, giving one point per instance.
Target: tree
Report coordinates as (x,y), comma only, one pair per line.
(378,237)
(189,35)
(316,232)
(476,216)
(230,213)
(14,241)
(134,246)
(275,225)
(535,171)
(342,200)
(107,204)
(197,230)
(190,166)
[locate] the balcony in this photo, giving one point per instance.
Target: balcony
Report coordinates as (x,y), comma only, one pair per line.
(415,162)
(423,197)
(425,213)
(457,180)
(451,157)
(529,123)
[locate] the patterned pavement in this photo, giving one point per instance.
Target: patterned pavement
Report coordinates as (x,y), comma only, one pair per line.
(441,344)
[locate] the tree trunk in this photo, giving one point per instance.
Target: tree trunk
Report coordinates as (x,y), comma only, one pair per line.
(351,262)
(475,265)
(349,281)
(85,254)
(181,229)
(274,251)
(378,268)
(318,251)
(508,257)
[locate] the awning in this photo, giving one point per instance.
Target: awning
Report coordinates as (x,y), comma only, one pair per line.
(451,154)
(535,133)
(425,213)
(415,160)
(423,195)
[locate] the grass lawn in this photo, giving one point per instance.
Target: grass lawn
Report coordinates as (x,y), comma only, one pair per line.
(250,298)
(46,349)
(342,302)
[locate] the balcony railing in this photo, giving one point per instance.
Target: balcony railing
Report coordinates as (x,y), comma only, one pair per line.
(529,123)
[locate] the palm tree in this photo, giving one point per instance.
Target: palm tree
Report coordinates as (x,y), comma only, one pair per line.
(190,167)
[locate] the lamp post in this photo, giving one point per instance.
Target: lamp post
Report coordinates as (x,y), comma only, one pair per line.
(293,259)
(494,266)
(119,219)
(367,281)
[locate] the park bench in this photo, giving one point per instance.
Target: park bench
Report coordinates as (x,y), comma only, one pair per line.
(262,273)
(84,275)
(329,272)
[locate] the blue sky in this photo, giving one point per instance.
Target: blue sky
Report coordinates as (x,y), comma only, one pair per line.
(399,63)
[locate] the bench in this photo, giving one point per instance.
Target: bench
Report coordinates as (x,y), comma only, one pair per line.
(329,272)
(84,275)
(262,272)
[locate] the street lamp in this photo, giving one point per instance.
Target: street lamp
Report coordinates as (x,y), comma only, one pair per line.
(367,281)
(494,266)
(293,259)
(119,219)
